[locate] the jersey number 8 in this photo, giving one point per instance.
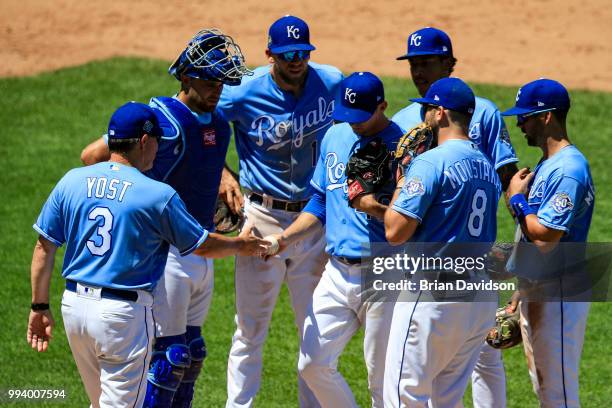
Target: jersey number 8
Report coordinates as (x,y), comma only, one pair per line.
(476,219)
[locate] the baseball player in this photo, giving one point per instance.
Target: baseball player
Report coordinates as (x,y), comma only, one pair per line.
(338,308)
(280,115)
(559,208)
(117,225)
(433,346)
(430,54)
(190,159)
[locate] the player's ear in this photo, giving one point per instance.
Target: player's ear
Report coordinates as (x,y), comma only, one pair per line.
(383,106)
(270,56)
(185,82)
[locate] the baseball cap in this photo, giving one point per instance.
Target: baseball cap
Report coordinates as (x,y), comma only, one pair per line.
(540,95)
(360,94)
(289,33)
(131,121)
(451,93)
(428,41)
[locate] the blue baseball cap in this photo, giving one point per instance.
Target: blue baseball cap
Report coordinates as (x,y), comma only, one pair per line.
(133,120)
(428,41)
(450,93)
(289,33)
(541,95)
(359,96)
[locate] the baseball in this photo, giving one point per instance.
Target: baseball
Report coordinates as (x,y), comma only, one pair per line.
(274,246)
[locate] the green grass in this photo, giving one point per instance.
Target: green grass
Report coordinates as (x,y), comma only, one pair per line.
(46,120)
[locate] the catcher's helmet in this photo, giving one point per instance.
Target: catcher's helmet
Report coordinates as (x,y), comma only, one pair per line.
(211,55)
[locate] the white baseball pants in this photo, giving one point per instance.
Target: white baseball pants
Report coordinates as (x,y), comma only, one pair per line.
(433,347)
(182,296)
(257,286)
(489,378)
(553,336)
(111,343)
(337,311)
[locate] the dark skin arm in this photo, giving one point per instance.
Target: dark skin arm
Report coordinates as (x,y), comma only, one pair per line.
(229,190)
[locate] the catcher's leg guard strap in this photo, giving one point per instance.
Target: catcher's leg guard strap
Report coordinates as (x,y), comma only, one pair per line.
(197,349)
(168,365)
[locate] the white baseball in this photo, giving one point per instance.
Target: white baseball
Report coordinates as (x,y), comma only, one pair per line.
(274,246)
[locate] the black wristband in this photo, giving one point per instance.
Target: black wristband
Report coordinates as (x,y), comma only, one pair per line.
(40,306)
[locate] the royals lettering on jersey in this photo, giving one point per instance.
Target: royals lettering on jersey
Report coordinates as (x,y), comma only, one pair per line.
(278,136)
(117,224)
(347,229)
(453,191)
(191,156)
(563,194)
(487,130)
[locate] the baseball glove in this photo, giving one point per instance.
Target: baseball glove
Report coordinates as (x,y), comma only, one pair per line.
(225,220)
(418,140)
(497,258)
(507,330)
(367,170)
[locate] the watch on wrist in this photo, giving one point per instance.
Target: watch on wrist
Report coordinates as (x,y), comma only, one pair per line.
(37,307)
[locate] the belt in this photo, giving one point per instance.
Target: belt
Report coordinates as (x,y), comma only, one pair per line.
(268,202)
(348,261)
(108,293)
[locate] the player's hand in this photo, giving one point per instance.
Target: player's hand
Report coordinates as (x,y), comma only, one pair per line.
(40,326)
(251,245)
(514,301)
(230,193)
(277,245)
(519,184)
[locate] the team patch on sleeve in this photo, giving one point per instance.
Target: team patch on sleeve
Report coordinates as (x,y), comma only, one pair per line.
(561,203)
(414,187)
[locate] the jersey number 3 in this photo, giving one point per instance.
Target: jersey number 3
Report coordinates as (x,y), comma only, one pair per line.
(476,220)
(103,244)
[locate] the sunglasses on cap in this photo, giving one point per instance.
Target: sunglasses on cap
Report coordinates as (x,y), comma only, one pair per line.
(290,56)
(520,119)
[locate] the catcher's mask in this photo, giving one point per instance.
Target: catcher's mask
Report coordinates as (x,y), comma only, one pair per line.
(211,55)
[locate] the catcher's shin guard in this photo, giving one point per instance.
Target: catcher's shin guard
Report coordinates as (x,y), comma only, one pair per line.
(168,364)
(197,347)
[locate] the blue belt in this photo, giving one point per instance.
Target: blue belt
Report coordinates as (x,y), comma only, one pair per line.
(108,293)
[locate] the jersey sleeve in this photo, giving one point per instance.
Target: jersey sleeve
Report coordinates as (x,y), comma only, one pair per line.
(560,203)
(499,146)
(420,188)
(226,104)
(179,228)
(50,223)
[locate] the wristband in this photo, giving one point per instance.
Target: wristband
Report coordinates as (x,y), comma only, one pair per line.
(39,307)
(520,206)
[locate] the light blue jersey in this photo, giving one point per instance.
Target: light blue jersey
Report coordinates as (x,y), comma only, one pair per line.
(563,195)
(277,135)
(452,190)
(347,229)
(117,224)
(487,130)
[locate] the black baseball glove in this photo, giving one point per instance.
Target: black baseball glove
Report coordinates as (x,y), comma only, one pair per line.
(368,170)
(225,220)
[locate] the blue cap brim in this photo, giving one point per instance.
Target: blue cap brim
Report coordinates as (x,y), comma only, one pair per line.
(421,53)
(344,114)
(517,111)
(425,101)
(292,47)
